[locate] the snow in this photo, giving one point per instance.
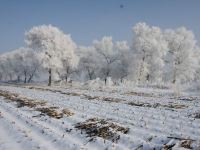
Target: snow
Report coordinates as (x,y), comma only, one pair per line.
(149,127)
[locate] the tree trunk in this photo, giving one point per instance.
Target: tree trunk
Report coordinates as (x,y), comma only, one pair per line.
(121,79)
(25,76)
(25,79)
(174,81)
(90,76)
(174,77)
(148,77)
(18,78)
(66,78)
(105,80)
(107,74)
(31,75)
(49,84)
(90,73)
(30,78)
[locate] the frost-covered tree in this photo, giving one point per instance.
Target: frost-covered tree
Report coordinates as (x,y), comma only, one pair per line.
(55,48)
(108,55)
(120,68)
(149,47)
(69,67)
(181,62)
(26,62)
(6,66)
(19,63)
(10,65)
(89,61)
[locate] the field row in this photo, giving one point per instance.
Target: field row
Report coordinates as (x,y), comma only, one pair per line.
(98,123)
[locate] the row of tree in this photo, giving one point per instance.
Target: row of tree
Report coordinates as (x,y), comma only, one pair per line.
(155,55)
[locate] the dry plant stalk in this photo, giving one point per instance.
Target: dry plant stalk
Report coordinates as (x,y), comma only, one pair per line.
(107,130)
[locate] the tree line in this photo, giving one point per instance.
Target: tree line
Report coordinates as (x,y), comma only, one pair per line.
(153,56)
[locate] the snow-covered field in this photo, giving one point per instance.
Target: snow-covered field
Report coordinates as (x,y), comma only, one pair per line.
(81,118)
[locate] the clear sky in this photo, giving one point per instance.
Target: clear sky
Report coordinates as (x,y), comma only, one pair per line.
(87,20)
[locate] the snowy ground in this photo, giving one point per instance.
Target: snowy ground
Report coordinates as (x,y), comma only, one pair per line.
(154,119)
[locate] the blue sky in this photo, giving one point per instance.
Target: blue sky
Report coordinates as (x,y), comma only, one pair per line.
(87,20)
